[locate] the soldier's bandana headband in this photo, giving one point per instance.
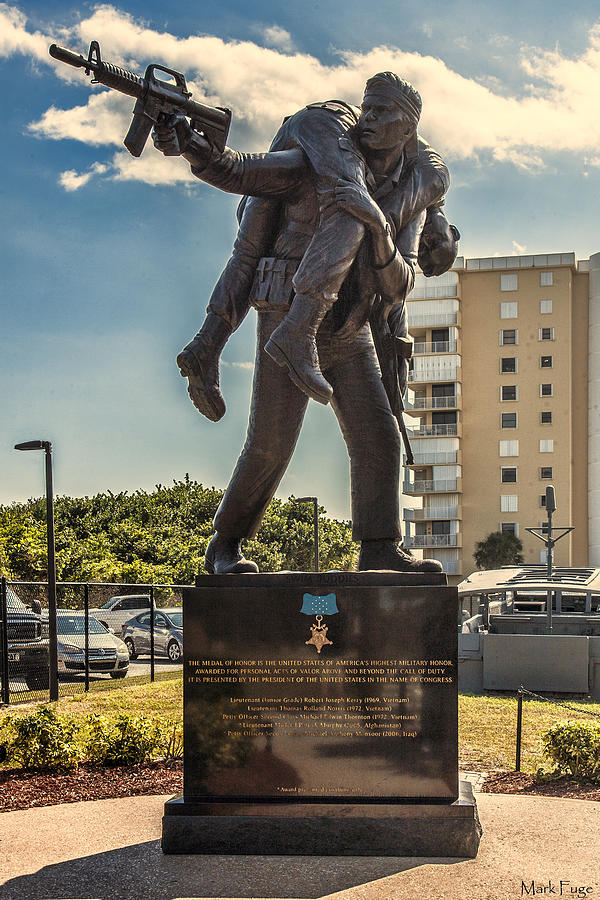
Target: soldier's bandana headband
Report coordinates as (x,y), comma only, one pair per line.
(383,91)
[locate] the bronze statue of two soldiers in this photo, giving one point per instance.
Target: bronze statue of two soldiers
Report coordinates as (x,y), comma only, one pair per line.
(332,223)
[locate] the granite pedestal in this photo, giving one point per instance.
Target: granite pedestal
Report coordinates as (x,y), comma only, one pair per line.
(320,717)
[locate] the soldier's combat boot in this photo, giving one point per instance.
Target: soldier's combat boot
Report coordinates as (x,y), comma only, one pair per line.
(293,344)
(199,363)
(224,557)
(388,555)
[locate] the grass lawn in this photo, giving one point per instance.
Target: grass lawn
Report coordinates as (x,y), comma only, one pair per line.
(487,723)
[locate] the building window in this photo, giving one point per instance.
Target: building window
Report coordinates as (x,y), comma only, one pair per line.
(508,392)
(546,417)
(510,528)
(545,362)
(509,282)
(509,310)
(545,390)
(546,445)
(509,336)
(508,448)
(443,418)
(509,420)
(509,503)
(543,556)
(546,472)
(545,307)
(542,499)
(546,334)
(508,474)
(508,364)
(546,279)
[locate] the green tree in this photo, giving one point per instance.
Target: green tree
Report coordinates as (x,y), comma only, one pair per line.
(500,548)
(157,537)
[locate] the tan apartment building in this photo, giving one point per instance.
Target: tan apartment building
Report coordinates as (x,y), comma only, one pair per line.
(505,388)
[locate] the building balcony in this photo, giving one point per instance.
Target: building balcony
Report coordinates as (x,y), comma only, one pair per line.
(424,376)
(424,348)
(426,403)
(441,458)
(431,515)
(438,486)
(432,540)
(421,431)
(431,320)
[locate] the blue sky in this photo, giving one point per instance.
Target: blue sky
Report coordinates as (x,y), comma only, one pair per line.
(107,262)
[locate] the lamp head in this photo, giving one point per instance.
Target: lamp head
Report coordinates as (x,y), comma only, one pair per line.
(31,445)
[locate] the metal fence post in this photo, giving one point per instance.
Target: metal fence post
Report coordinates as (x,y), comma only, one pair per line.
(519,727)
(4,643)
(151,633)
(86,618)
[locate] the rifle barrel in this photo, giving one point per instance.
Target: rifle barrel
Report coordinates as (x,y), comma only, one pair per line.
(67,56)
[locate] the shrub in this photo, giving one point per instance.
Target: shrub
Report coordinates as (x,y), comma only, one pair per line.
(574,748)
(127,741)
(42,740)
(173,743)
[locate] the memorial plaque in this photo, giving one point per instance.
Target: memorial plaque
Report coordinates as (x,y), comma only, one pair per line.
(320,688)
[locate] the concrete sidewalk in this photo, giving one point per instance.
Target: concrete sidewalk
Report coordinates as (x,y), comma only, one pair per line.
(110,850)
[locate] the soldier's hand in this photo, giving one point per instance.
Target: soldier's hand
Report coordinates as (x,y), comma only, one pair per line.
(172,135)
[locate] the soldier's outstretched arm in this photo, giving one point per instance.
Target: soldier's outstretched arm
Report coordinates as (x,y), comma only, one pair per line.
(272,175)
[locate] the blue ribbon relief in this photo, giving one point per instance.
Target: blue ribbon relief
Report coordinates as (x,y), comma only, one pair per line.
(319,605)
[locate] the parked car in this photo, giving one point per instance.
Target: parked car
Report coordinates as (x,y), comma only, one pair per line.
(118,610)
(168,633)
(27,643)
(107,654)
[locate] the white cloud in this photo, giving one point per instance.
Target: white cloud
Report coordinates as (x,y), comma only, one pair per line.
(554,110)
(72,180)
(519,248)
(238,365)
(275,36)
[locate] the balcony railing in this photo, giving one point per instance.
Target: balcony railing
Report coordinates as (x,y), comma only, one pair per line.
(425,515)
(431,540)
(432,403)
(445,430)
(441,485)
(434,459)
(431,319)
(435,347)
(449,374)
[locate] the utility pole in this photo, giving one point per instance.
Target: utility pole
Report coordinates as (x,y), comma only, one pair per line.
(546,534)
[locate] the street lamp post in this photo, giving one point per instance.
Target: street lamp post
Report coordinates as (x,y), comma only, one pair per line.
(46,446)
(315,504)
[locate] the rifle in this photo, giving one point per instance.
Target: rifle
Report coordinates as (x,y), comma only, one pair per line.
(156,98)
(389,348)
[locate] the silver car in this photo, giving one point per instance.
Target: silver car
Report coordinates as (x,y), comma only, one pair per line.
(107,654)
(168,633)
(118,610)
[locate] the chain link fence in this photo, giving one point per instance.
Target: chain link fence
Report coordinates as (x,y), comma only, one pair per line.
(105,633)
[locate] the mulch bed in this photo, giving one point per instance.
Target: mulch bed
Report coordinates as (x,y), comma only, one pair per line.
(22,790)
(521,783)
